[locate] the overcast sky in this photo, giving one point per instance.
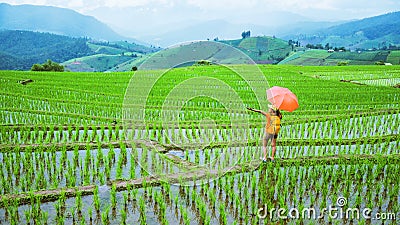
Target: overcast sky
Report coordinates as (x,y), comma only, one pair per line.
(150,15)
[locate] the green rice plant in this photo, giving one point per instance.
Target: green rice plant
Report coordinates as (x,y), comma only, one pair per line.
(102,132)
(27,214)
(187,155)
(12,212)
(134,193)
(82,221)
(72,213)
(142,211)
(76,155)
(331,118)
(100,158)
(119,167)
(123,216)
(114,134)
(96,199)
(78,201)
(82,138)
(60,220)
(71,176)
(105,216)
(185,215)
(222,214)
(113,196)
(107,168)
(111,155)
(90,214)
(132,165)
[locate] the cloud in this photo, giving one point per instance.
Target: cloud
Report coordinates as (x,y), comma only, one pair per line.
(156,14)
(32,2)
(294,6)
(223,5)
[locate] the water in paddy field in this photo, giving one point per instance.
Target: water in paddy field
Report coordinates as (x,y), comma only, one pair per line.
(57,166)
(240,196)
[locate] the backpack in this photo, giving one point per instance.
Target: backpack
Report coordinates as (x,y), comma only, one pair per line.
(274,125)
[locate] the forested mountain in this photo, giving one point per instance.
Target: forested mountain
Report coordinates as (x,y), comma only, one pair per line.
(19,50)
(372,28)
(54,20)
(22,49)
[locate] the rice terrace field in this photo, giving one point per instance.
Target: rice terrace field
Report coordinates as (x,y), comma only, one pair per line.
(71,153)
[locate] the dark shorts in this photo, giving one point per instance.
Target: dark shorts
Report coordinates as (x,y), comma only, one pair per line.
(268,136)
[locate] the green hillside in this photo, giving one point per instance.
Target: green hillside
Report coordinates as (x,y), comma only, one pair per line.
(325,58)
(128,65)
(394,57)
(97,63)
(268,50)
(19,50)
(110,56)
(6,60)
(263,50)
(119,47)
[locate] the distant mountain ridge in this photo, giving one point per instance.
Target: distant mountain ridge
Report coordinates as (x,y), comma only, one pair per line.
(54,20)
(374,32)
(222,29)
(32,34)
(370,33)
(373,27)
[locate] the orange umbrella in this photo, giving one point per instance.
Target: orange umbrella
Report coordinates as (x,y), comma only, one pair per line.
(282,98)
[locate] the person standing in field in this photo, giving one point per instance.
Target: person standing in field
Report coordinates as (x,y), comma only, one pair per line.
(272,128)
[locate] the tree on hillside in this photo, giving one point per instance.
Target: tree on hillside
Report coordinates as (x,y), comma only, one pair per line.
(48,66)
(245,34)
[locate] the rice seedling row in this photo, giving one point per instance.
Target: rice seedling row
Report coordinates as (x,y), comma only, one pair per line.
(68,154)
